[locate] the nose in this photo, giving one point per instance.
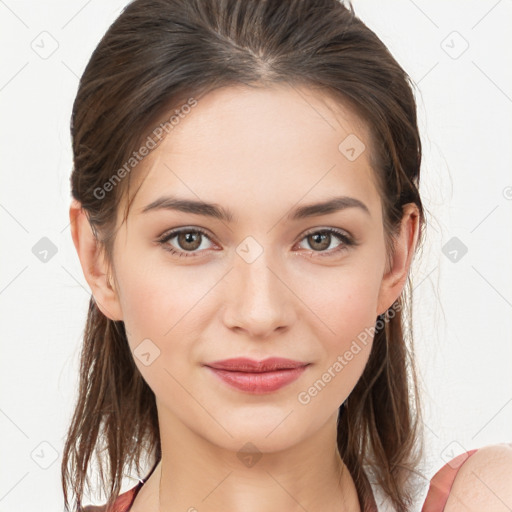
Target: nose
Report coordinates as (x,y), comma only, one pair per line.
(259,300)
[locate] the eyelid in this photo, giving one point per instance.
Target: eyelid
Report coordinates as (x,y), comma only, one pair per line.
(345,238)
(184,229)
(338,231)
(169,234)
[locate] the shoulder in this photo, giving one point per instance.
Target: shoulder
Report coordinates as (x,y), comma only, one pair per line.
(483,481)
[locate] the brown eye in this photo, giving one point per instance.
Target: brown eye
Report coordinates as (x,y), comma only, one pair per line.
(319,241)
(188,242)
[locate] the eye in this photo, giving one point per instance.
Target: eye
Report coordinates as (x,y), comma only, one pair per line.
(320,240)
(188,240)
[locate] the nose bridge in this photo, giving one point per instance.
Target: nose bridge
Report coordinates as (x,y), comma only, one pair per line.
(259,301)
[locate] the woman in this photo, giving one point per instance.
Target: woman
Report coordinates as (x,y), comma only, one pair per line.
(248,332)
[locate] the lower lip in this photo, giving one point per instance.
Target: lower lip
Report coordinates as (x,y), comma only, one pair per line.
(258,383)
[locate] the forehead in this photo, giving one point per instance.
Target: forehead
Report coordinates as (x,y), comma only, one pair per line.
(276,143)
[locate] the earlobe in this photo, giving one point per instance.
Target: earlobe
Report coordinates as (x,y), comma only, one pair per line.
(94,265)
(405,242)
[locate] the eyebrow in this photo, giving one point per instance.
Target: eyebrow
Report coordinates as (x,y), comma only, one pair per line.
(213,210)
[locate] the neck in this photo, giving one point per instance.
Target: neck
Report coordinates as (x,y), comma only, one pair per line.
(196,475)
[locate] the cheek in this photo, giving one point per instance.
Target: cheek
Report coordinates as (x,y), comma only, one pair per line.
(346,315)
(157,298)
(345,301)
(166,307)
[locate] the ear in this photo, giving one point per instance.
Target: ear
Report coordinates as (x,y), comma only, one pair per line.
(94,265)
(396,274)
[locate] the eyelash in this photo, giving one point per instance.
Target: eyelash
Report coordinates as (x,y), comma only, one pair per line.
(345,239)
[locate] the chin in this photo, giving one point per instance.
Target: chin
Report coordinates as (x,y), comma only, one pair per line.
(268,435)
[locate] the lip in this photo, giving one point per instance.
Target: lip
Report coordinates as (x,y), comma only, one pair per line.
(244,364)
(257,377)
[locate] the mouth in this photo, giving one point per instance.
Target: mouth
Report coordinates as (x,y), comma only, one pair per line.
(257,377)
(244,364)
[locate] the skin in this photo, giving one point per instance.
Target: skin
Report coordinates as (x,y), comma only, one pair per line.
(260,153)
(484,481)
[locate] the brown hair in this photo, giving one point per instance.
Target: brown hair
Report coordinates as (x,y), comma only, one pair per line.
(154,56)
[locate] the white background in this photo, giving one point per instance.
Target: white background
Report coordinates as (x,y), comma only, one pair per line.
(463,321)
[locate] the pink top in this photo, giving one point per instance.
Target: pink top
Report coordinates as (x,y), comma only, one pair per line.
(437,496)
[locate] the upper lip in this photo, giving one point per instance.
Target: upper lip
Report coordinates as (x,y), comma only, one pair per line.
(245,364)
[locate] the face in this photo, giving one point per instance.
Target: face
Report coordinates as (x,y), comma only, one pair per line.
(271,279)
